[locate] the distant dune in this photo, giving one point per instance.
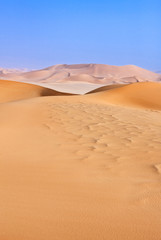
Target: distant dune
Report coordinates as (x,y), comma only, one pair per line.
(4,71)
(91,73)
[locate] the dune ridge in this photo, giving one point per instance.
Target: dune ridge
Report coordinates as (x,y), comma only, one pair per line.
(12,91)
(92,73)
(145,95)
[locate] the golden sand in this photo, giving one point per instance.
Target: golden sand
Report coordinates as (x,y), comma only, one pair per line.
(81,167)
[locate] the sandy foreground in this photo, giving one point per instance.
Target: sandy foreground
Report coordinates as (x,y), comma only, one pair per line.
(81,167)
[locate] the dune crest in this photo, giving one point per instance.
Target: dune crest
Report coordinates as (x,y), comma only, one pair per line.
(13,91)
(145,95)
(92,73)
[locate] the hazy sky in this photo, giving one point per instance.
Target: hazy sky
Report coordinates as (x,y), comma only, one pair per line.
(36,34)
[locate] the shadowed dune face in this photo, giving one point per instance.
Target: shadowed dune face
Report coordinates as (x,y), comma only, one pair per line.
(91,73)
(106,88)
(145,95)
(12,91)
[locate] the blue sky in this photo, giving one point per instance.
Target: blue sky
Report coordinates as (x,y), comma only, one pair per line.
(37,34)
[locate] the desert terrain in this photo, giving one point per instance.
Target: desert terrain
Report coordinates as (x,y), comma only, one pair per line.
(80,78)
(80,166)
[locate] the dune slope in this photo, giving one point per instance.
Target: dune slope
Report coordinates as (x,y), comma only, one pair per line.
(12,91)
(92,73)
(76,167)
(145,95)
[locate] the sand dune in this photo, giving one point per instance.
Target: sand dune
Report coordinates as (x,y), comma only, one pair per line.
(12,91)
(82,78)
(83,167)
(71,87)
(78,77)
(106,88)
(92,73)
(145,95)
(11,71)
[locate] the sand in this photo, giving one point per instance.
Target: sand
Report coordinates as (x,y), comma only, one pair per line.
(142,95)
(69,87)
(90,73)
(81,167)
(13,91)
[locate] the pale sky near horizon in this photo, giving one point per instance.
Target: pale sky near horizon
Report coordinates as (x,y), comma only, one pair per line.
(37,34)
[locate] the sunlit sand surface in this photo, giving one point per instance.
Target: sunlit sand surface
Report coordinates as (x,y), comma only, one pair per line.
(80,167)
